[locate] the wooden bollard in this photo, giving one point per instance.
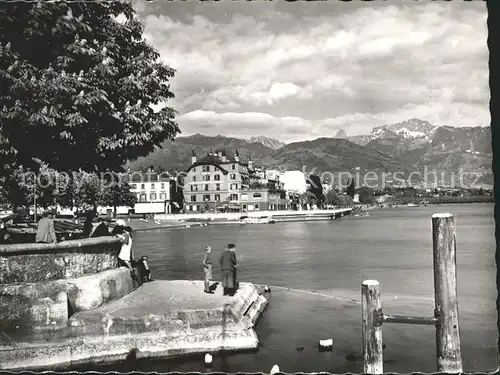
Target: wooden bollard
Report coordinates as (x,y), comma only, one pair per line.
(449,357)
(372,332)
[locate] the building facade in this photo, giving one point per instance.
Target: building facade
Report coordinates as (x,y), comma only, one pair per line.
(152,190)
(220,182)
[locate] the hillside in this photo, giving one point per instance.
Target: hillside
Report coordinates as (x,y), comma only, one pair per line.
(176,155)
(408,145)
(329,154)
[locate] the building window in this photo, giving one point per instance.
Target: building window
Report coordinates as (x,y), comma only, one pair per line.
(205,168)
(217,186)
(244,206)
(194,178)
(257,195)
(233,197)
(207,177)
(133,186)
(244,197)
(143,197)
(192,187)
(163,185)
(152,196)
(234,187)
(206,197)
(233,176)
(217,177)
(193,198)
(233,166)
(194,169)
(206,187)
(217,197)
(163,196)
(256,206)
(143,186)
(152,186)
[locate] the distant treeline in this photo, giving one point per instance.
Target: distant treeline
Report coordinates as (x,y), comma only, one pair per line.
(445,200)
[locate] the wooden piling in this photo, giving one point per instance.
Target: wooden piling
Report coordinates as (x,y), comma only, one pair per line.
(372,330)
(449,357)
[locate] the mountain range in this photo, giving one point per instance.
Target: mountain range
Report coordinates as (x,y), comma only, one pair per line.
(396,147)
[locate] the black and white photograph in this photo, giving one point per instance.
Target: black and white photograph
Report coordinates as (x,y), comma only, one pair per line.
(248,187)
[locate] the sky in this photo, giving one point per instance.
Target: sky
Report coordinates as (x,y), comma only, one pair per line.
(297,71)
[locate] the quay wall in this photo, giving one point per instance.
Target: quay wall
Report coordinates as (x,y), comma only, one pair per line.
(234,216)
(38,262)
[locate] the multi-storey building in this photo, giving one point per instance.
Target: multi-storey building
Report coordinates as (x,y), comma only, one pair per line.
(214,182)
(219,181)
(152,190)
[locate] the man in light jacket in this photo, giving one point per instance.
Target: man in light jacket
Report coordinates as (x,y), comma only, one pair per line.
(45,232)
(207,268)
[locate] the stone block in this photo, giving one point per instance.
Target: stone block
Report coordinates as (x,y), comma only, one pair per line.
(32,263)
(38,305)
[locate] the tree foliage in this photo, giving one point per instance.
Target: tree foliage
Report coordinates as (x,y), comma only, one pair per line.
(79,189)
(333,198)
(351,188)
(315,187)
(365,195)
(77,86)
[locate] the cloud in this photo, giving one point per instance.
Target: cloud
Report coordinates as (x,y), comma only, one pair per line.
(295,129)
(285,70)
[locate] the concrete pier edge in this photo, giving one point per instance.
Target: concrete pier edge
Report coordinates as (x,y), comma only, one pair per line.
(197,330)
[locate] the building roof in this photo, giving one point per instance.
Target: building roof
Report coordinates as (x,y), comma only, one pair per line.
(217,161)
(149,177)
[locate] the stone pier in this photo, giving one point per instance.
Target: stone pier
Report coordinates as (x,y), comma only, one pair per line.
(159,319)
(68,304)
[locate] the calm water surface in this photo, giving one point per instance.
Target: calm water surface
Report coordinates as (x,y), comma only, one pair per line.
(393,246)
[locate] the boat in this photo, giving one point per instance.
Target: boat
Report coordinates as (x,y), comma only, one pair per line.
(412,205)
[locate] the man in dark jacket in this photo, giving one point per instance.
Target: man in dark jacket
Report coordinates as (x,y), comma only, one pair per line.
(102,229)
(228,267)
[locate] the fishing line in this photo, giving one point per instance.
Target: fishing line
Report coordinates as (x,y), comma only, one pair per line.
(310,292)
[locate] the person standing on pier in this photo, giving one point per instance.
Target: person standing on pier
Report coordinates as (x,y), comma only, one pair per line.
(235,272)
(228,267)
(207,268)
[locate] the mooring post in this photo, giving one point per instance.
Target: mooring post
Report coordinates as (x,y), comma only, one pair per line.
(449,357)
(372,330)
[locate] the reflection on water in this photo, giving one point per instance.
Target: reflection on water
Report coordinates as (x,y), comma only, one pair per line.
(333,258)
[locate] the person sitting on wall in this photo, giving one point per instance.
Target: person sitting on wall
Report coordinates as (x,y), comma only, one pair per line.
(87,225)
(102,229)
(45,231)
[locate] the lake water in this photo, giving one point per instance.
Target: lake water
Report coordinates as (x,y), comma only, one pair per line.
(331,259)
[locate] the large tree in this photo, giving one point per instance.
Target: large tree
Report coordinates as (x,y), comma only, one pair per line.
(77,82)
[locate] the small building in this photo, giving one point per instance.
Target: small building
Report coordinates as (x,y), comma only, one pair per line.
(152,190)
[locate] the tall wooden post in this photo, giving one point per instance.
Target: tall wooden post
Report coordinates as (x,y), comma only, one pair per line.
(372,331)
(449,357)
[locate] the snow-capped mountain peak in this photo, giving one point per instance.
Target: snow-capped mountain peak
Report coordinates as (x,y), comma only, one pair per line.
(267,141)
